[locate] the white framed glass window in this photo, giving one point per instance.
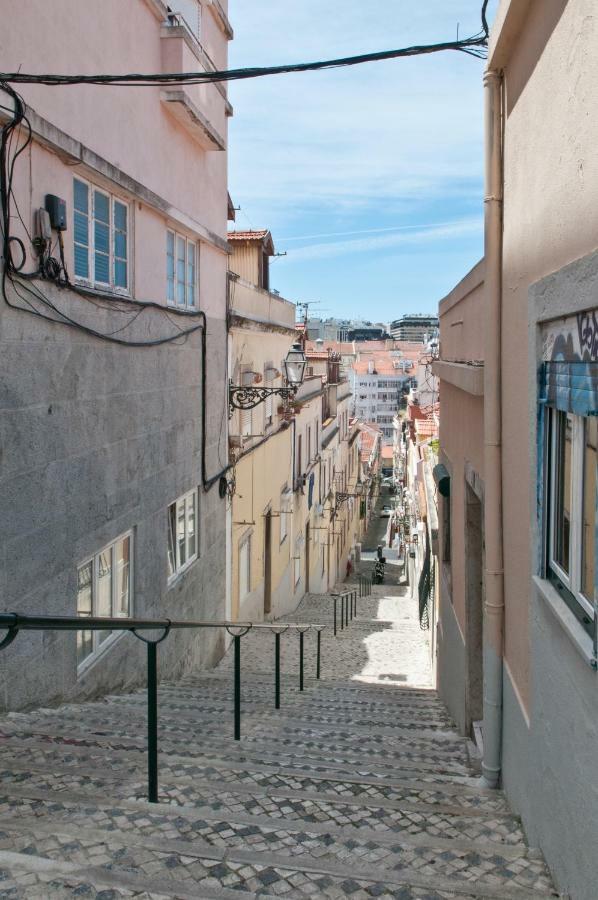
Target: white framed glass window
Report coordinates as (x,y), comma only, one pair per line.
(571,519)
(285,505)
(183,538)
(181,271)
(244,567)
(104,588)
(101,244)
(297,561)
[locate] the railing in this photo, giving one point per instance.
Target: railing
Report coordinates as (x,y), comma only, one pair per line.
(14,623)
(365,586)
(348,600)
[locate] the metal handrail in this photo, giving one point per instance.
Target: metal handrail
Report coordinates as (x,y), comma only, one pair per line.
(348,607)
(16,622)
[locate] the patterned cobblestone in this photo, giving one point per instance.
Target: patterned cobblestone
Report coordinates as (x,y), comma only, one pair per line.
(358,788)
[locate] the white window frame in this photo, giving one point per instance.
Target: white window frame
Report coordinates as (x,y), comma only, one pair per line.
(244,576)
(297,559)
(177,567)
(573,579)
(191,288)
(98,645)
(90,281)
(285,502)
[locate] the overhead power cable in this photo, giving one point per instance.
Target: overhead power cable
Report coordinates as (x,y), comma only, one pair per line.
(473,46)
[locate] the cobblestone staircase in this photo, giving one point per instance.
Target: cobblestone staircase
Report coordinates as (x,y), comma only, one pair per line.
(357,787)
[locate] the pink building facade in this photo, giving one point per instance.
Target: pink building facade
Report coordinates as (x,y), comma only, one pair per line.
(112,451)
(517,642)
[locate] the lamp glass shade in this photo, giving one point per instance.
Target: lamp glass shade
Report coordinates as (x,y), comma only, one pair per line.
(359,488)
(294,365)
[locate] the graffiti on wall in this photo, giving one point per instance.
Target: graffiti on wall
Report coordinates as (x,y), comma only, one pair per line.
(574,339)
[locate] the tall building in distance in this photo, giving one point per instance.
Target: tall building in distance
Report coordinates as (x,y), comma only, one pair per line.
(417,327)
(332,329)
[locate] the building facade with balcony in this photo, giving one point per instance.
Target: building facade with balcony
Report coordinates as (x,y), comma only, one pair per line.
(111,456)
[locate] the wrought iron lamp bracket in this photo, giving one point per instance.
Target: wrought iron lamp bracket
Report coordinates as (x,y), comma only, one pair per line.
(9,637)
(250,396)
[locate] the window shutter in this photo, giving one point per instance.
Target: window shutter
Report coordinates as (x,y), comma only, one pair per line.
(570,386)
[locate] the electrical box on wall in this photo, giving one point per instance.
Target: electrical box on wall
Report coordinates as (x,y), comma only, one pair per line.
(56,208)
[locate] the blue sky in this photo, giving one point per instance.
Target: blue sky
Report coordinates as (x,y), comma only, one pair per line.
(369,177)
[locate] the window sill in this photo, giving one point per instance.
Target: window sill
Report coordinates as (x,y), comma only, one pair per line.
(88,664)
(111,293)
(572,628)
(179,575)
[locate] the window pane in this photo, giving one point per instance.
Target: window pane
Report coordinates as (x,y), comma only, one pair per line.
(562,504)
(180,271)
(244,569)
(81,261)
(190,274)
(181,533)
(81,223)
(191,542)
(102,268)
(120,216)
(123,577)
(170,266)
(81,192)
(589,509)
(84,580)
(120,273)
(101,207)
(172,539)
(104,598)
(120,245)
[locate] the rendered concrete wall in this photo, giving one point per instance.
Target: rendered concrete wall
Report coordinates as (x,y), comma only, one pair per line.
(98,439)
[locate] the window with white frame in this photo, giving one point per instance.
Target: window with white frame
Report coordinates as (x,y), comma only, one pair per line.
(571,516)
(101,238)
(181,271)
(104,588)
(190,11)
(183,543)
(269,401)
(285,503)
(297,561)
(245,567)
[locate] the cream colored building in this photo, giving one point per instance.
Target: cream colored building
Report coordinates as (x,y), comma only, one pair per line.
(261,331)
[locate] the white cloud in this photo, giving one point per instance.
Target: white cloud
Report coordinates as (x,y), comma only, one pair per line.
(423,234)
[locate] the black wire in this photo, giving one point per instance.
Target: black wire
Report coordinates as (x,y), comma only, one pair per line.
(474,46)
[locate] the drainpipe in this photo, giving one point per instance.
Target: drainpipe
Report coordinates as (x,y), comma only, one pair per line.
(494,607)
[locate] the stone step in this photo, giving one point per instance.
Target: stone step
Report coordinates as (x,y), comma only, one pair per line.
(30,754)
(424,739)
(307,863)
(178,738)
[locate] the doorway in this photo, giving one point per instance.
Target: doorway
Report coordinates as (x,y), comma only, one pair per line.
(268,563)
(474,608)
(307,542)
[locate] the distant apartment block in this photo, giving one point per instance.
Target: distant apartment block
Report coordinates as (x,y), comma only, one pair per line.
(416,327)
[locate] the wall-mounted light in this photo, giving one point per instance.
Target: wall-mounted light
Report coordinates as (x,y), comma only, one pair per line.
(248,396)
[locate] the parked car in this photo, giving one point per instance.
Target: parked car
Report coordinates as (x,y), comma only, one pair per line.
(386,512)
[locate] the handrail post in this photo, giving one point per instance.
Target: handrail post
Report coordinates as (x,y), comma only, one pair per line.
(152,722)
(318,655)
(300,660)
(342,611)
(347,610)
(237,714)
(335,616)
(277,670)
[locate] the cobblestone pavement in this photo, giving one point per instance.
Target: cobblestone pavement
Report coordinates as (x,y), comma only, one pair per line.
(357,787)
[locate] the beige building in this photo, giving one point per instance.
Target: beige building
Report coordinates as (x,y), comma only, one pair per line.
(519,397)
(261,331)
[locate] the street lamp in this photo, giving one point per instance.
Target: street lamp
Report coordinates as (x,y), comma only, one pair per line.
(250,396)
(343,496)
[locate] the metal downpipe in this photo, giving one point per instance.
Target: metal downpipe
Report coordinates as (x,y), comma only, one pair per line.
(493,524)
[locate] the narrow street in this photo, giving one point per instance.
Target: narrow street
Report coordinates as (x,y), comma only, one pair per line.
(357,787)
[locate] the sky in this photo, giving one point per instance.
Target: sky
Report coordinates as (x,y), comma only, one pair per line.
(370,178)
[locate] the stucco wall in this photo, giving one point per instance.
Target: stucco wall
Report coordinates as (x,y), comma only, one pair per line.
(551,181)
(98,439)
